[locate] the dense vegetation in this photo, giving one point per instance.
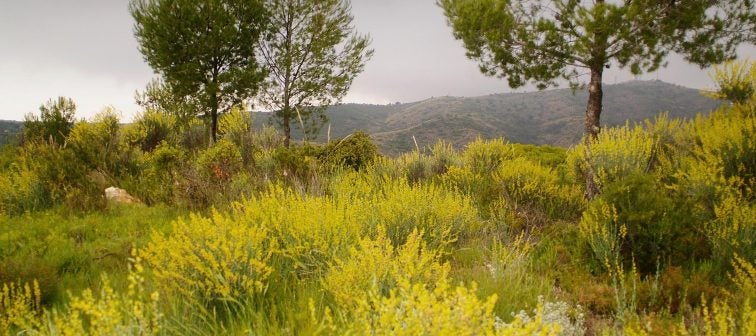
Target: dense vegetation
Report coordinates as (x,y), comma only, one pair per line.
(245,236)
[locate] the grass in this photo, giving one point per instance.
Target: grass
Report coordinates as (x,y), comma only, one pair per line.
(68,253)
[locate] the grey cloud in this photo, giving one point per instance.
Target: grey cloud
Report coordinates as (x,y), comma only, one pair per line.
(92,36)
(416,56)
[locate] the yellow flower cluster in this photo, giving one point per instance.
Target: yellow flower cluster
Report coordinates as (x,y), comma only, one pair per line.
(616,153)
(406,291)
(215,257)
(19,307)
(107,313)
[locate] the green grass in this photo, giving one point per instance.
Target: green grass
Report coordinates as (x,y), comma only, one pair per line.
(66,252)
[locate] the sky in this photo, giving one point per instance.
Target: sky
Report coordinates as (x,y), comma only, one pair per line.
(85,50)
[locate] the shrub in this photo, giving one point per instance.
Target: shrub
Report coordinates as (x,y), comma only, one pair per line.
(485,156)
(151,128)
(106,313)
(617,153)
(443,157)
(374,265)
(736,81)
(19,307)
(526,185)
(400,208)
(655,227)
(214,258)
(355,151)
(219,162)
(726,141)
(733,232)
(298,162)
(236,126)
(53,124)
(21,189)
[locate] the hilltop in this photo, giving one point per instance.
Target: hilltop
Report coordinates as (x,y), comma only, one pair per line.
(553,117)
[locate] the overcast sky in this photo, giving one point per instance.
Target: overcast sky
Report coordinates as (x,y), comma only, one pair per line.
(85,49)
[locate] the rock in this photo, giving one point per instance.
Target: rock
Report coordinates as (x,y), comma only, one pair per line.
(118,195)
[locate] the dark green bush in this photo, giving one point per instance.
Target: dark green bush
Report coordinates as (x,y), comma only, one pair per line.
(297,161)
(355,151)
(660,227)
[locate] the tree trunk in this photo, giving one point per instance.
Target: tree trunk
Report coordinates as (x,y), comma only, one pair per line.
(286,125)
(214,116)
(593,127)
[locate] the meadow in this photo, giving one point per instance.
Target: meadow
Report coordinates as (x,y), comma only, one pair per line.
(245,236)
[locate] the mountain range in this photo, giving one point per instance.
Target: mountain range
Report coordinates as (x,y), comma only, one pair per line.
(552,117)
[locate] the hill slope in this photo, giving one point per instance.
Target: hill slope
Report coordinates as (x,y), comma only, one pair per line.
(9,131)
(553,117)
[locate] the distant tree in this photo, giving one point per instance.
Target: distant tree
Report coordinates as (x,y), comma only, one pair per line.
(203,48)
(540,41)
(312,53)
(54,123)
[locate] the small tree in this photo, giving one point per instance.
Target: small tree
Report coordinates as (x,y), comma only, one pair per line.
(203,48)
(541,40)
(312,53)
(54,123)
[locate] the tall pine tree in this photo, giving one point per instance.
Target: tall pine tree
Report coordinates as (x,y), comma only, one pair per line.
(203,48)
(541,41)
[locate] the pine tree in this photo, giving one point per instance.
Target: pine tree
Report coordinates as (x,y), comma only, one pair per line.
(203,48)
(540,41)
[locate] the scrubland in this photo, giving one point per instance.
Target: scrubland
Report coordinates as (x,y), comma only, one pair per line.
(248,237)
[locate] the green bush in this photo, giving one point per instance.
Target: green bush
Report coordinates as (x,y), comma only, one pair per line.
(220,162)
(53,124)
(297,161)
(656,228)
(150,129)
(485,156)
(355,151)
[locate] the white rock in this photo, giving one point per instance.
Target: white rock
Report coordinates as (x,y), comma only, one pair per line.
(118,195)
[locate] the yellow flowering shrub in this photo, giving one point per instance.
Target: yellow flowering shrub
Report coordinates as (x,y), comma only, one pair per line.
(401,208)
(600,228)
(108,312)
(726,140)
(485,156)
(19,307)
(616,153)
(736,81)
(375,265)
(215,257)
(529,184)
(734,314)
(310,230)
(431,208)
(416,309)
(733,232)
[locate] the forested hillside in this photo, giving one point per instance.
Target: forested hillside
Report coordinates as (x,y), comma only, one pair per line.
(552,117)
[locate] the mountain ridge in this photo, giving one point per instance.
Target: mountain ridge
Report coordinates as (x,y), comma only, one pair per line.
(549,117)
